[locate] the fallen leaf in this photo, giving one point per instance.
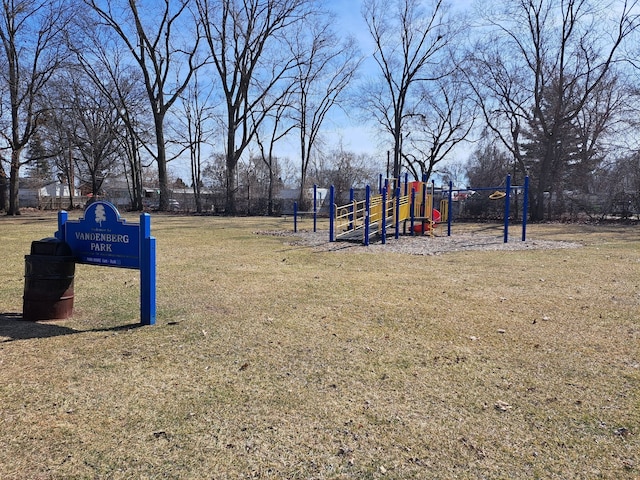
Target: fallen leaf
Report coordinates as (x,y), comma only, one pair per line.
(621,432)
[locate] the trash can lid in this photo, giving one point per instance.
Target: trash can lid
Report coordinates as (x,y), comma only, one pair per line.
(50,246)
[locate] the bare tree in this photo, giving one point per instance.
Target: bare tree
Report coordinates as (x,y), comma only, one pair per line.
(409,41)
(344,169)
(193,126)
(134,138)
(444,116)
(32,51)
(487,166)
(246,39)
(93,126)
(324,70)
(163,42)
(500,91)
(105,62)
(275,128)
(3,185)
(552,57)
(81,131)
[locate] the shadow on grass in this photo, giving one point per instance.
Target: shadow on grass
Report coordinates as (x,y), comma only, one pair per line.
(15,328)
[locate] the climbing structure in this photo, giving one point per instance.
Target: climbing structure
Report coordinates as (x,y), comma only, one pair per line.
(408,208)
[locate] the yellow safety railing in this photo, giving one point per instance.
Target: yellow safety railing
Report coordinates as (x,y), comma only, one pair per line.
(350,218)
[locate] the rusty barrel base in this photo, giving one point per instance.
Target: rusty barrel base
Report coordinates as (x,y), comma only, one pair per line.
(48,287)
(34,310)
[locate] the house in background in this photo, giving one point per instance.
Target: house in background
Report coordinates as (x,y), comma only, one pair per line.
(48,196)
(288,196)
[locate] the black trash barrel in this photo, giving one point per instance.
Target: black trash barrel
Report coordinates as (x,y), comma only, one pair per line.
(48,281)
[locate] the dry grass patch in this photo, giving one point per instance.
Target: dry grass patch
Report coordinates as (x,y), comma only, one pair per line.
(271,359)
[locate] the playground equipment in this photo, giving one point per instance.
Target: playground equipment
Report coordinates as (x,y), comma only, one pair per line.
(407,208)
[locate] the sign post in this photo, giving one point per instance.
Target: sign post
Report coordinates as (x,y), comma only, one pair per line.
(102,238)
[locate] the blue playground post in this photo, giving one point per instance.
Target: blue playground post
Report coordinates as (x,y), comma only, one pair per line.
(406,184)
(507,203)
(383,229)
(397,233)
(525,208)
(379,183)
(332,213)
(367,204)
(295,217)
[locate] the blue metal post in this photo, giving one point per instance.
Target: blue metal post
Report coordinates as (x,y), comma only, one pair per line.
(367,204)
(450,208)
(315,208)
(397,233)
(379,183)
(61,234)
(406,184)
(295,216)
(507,203)
(525,208)
(332,213)
(147,272)
(383,230)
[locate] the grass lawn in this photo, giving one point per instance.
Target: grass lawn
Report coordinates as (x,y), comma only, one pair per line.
(272,360)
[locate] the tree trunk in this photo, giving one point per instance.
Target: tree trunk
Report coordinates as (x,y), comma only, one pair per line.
(3,189)
(136,172)
(14,183)
(232,165)
(541,186)
(270,189)
(70,181)
(161,159)
(230,207)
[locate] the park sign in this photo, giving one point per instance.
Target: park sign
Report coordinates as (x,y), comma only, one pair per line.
(102,238)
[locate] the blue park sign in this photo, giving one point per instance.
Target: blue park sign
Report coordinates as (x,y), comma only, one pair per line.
(102,238)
